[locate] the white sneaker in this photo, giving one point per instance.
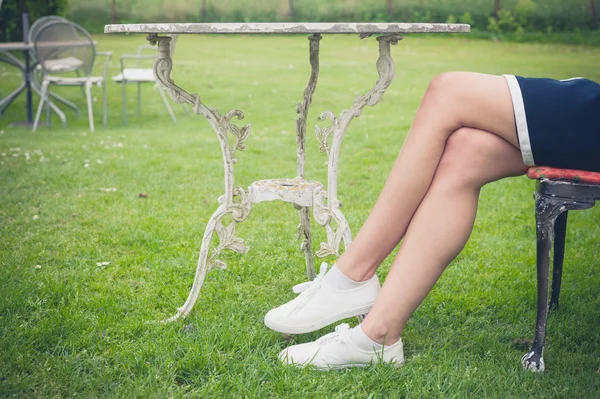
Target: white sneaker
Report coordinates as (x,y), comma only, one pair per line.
(339,350)
(319,305)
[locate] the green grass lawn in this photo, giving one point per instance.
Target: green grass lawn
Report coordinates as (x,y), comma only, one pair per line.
(71,325)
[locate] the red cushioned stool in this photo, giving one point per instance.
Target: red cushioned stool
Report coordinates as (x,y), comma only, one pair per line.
(557,192)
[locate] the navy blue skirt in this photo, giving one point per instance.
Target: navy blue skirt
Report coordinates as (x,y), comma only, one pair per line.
(558,121)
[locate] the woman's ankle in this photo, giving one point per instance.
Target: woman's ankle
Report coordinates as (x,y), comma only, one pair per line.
(381,334)
(357,273)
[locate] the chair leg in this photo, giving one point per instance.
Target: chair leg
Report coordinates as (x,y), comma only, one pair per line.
(139,104)
(104,105)
(80,87)
(48,118)
(6,101)
(61,115)
(54,107)
(124,102)
(166,101)
(560,231)
(40,105)
(66,102)
(88,95)
(546,211)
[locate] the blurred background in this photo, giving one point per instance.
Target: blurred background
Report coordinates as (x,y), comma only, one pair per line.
(571,21)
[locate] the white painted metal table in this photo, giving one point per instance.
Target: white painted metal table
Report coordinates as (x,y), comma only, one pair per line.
(302,193)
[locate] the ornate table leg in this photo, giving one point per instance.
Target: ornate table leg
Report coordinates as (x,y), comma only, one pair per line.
(327,206)
(302,111)
(234,201)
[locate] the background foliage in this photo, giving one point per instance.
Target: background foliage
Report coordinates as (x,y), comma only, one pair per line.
(515,19)
(561,15)
(11,27)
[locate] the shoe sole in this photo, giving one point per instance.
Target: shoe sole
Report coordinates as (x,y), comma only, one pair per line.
(353,365)
(337,367)
(318,325)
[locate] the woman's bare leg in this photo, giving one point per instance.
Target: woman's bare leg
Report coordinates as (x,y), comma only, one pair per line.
(463,137)
(453,100)
(441,226)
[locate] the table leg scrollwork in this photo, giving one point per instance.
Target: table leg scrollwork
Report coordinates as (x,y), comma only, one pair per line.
(327,206)
(227,240)
(324,215)
(234,201)
(239,211)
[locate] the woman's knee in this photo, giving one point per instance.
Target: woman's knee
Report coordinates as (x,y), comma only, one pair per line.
(445,86)
(476,157)
(444,101)
(460,157)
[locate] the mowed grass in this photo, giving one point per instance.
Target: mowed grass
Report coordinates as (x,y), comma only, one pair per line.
(71,325)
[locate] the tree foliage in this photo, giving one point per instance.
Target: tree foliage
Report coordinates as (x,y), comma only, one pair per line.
(11,22)
(510,16)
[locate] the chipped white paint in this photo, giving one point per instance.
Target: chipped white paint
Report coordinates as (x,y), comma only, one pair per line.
(296,191)
(549,205)
(289,28)
(528,362)
(302,110)
(302,193)
(234,201)
(324,212)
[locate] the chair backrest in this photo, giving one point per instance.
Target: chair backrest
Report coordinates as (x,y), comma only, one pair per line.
(39,23)
(64,41)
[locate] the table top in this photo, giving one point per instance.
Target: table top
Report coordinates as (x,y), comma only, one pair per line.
(289,28)
(13,46)
(17,46)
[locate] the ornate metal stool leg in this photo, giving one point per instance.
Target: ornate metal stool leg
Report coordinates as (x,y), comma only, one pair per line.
(546,211)
(547,208)
(234,201)
(560,232)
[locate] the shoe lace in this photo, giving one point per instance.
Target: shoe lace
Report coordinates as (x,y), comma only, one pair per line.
(308,289)
(341,334)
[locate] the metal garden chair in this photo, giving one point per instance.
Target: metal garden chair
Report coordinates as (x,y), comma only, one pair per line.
(139,75)
(37,70)
(64,47)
